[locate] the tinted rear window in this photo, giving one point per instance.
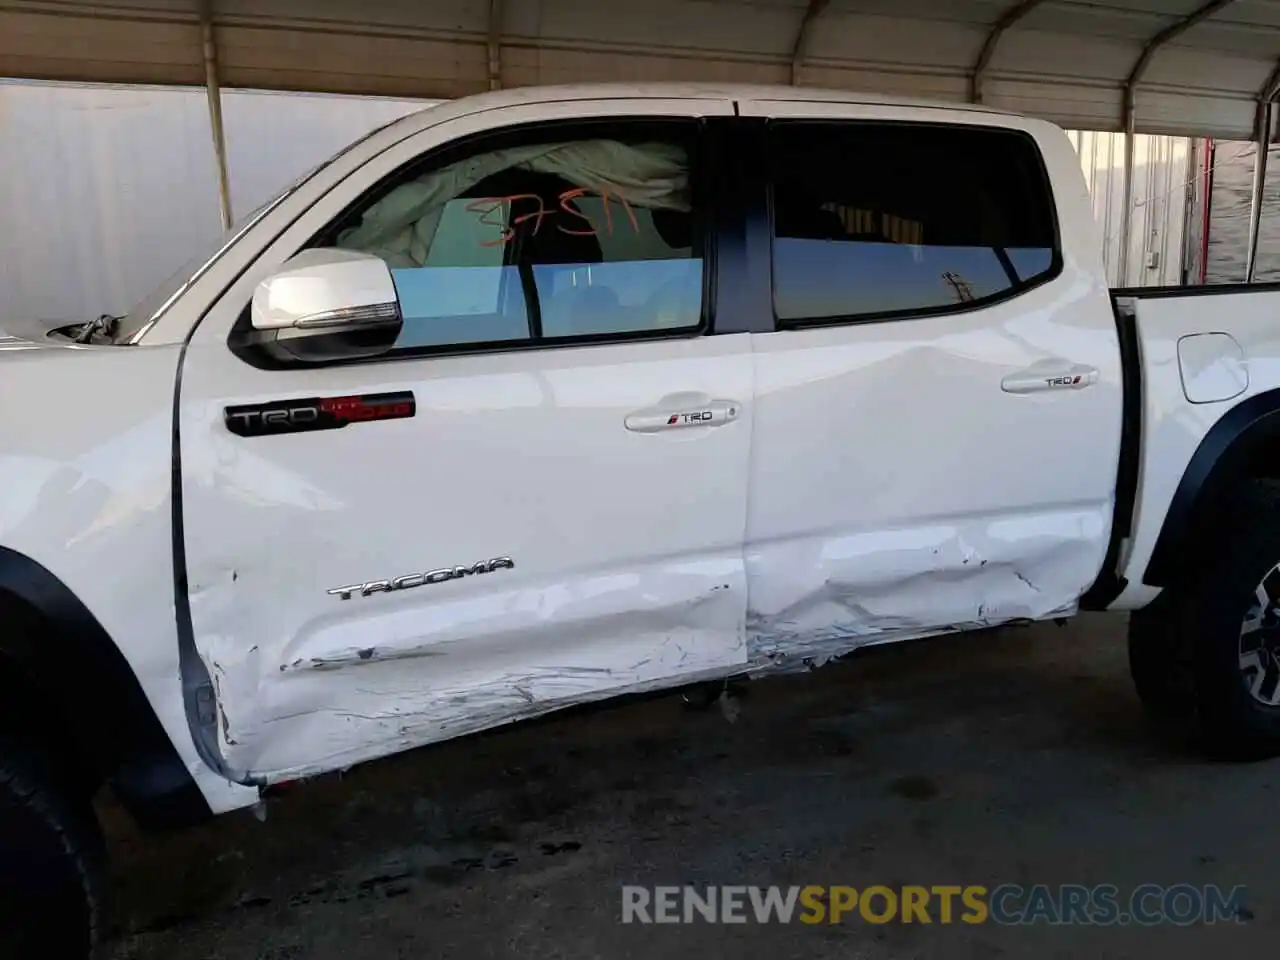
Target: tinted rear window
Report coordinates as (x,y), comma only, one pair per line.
(889,219)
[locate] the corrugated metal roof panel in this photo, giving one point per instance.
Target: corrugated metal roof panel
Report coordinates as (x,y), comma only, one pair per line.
(1065,61)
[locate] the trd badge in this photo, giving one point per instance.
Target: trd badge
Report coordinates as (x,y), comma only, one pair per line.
(317,413)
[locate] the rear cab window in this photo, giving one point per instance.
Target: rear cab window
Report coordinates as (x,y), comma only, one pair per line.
(881,220)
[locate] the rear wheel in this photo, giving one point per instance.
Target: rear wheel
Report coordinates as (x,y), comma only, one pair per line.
(1205,656)
(51,858)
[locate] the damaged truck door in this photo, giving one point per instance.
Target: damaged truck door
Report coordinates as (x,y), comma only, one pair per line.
(467,531)
(909,293)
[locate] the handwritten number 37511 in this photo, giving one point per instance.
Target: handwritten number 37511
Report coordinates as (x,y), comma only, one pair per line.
(487,207)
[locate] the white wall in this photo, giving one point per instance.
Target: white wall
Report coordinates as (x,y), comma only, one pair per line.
(1162,173)
(107,190)
(104,192)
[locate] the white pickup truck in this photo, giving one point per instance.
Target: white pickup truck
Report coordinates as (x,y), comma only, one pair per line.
(545,396)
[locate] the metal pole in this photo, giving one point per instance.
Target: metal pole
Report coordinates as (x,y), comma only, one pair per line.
(1259,182)
(1126,215)
(812,12)
(1006,21)
(1189,193)
(495,44)
(1149,50)
(1206,213)
(213,92)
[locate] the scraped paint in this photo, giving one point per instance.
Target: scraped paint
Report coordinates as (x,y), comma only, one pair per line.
(321,701)
(821,597)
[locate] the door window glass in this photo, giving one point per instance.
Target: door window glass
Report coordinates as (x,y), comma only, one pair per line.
(875,220)
(568,239)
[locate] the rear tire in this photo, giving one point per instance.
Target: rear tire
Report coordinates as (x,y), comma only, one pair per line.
(1205,657)
(51,863)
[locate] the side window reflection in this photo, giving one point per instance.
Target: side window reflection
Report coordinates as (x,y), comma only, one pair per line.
(573,239)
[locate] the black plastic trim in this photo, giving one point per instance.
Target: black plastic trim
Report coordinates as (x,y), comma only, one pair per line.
(1200,290)
(98,693)
(1110,584)
(197,686)
(740,217)
(1220,460)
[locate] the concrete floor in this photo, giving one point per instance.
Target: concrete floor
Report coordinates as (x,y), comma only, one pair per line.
(1008,756)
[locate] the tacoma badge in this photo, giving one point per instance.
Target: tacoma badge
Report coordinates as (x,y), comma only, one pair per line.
(422,579)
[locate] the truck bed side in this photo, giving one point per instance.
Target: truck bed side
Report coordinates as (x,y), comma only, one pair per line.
(1203,374)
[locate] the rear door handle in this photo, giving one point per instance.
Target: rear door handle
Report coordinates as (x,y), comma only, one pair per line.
(1050,375)
(681,411)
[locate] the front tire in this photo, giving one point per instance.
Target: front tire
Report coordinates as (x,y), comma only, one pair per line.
(51,860)
(1205,657)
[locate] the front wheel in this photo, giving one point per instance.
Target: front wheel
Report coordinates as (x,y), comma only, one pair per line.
(1205,656)
(51,858)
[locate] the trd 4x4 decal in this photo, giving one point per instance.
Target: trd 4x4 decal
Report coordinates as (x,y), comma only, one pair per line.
(317,413)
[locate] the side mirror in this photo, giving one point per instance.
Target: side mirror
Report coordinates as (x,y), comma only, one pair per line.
(326,304)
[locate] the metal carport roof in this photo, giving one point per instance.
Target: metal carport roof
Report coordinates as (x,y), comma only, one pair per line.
(1192,67)
(1184,67)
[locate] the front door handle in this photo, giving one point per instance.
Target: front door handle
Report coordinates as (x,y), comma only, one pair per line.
(681,411)
(1050,375)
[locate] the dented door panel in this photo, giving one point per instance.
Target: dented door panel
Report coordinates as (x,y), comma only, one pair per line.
(917,474)
(509,550)
(937,501)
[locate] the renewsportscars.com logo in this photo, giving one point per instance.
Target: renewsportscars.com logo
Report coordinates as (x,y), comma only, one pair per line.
(1007,904)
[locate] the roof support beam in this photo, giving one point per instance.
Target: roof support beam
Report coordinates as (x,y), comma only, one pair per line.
(1129,108)
(1271,89)
(213,93)
(815,9)
(1171,32)
(1262,137)
(495,44)
(1007,19)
